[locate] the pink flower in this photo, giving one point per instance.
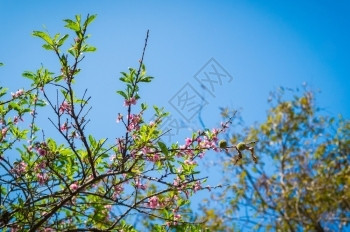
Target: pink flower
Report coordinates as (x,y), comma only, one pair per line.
(139,185)
(4,132)
(118,189)
(177,181)
(112,158)
(19,168)
(41,151)
(188,141)
(108,207)
(64,127)
(197,186)
(190,162)
(74,186)
(18,93)
(154,158)
(134,121)
(215,131)
(177,217)
(16,119)
(130,101)
(40,166)
(65,107)
(15,228)
(48,230)
(42,178)
(147,150)
(153,202)
(119,118)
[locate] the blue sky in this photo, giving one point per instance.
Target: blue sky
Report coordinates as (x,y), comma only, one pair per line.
(261,44)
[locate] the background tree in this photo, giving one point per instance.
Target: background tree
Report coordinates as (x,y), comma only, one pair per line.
(77,182)
(302,179)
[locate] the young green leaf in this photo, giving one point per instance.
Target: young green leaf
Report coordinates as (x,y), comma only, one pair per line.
(61,41)
(163,148)
(122,94)
(72,25)
(43,36)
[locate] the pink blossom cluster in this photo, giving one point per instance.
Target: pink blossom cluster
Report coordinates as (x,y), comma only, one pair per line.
(41,148)
(153,202)
(139,185)
(147,150)
(18,93)
(153,158)
(197,186)
(15,228)
(190,162)
(207,143)
(119,118)
(19,168)
(184,150)
(16,119)
(108,207)
(41,151)
(64,127)
(177,181)
(42,178)
(4,132)
(74,186)
(176,218)
(48,230)
(134,121)
(65,107)
(40,166)
(118,189)
(188,142)
(130,101)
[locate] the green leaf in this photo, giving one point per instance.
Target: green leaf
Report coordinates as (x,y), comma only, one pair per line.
(164,148)
(72,25)
(72,51)
(143,106)
(61,41)
(78,18)
(47,47)
(89,49)
(29,75)
(92,141)
(90,19)
(146,79)
(122,94)
(1,64)
(43,36)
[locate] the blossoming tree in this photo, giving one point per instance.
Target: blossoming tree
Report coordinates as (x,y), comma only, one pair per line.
(83,183)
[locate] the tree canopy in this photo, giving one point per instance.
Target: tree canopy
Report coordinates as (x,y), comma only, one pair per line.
(301,182)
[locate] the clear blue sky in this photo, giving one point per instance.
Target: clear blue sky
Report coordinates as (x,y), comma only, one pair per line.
(261,44)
